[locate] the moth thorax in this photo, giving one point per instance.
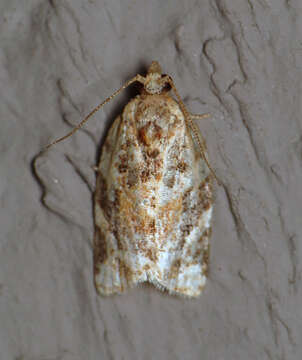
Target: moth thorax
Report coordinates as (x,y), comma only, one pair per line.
(155,82)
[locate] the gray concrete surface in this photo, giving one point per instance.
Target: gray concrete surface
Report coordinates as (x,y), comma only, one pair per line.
(240,60)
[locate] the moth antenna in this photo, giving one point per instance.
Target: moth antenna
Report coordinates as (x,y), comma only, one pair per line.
(191,124)
(138,78)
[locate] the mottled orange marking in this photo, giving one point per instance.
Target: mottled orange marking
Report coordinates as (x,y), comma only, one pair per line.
(153,198)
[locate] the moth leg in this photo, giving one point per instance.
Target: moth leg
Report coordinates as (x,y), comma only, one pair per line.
(199,116)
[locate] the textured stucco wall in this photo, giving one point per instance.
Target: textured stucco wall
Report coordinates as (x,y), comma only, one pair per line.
(240,60)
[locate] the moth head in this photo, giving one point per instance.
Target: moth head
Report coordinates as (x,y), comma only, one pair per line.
(155,81)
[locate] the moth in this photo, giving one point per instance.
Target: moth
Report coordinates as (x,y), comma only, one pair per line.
(153,198)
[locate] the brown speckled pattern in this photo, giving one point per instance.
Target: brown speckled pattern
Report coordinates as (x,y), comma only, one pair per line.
(153,202)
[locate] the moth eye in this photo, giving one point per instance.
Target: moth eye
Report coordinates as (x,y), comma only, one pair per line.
(167,87)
